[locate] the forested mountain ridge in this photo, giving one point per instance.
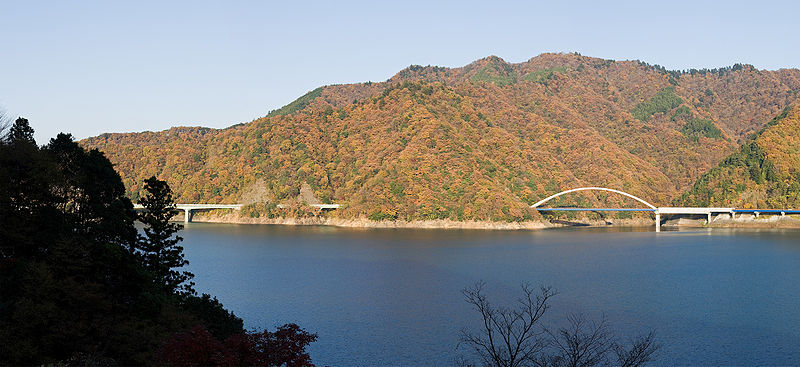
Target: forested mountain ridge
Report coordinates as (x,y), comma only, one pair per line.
(479,142)
(763,173)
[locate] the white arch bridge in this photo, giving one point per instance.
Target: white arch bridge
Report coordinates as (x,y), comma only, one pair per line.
(658,211)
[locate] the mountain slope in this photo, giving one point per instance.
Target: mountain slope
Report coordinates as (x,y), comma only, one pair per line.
(764,173)
(479,142)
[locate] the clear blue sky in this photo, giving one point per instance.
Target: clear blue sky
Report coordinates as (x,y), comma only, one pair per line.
(107,66)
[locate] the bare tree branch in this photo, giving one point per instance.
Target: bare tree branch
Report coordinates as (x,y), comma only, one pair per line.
(639,353)
(5,123)
(508,337)
(582,343)
(512,337)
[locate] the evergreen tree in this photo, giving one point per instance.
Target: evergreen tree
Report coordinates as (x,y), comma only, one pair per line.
(21,131)
(159,248)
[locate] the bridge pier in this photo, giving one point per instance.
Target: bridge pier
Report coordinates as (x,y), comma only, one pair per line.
(658,222)
(187,215)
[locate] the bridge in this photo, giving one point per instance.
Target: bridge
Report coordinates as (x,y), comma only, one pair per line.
(658,211)
(188,209)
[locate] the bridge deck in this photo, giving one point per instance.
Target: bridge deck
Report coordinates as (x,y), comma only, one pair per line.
(692,210)
(199,206)
(209,206)
(778,211)
(678,210)
(597,209)
(189,208)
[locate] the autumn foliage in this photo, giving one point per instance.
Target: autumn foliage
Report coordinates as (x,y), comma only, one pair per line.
(764,173)
(197,347)
(480,142)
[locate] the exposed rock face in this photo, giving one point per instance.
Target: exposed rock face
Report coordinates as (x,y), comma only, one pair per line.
(257,192)
(307,195)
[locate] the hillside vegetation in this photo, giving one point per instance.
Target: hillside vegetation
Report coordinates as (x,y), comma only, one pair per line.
(763,173)
(480,142)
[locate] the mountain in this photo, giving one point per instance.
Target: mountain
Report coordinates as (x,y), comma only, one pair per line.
(480,142)
(763,173)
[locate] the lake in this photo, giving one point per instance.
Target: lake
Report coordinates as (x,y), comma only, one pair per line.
(392,297)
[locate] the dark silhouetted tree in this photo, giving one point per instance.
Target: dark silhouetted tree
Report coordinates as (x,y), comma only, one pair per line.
(508,337)
(91,193)
(25,196)
(638,352)
(581,343)
(20,131)
(159,248)
(220,322)
(74,288)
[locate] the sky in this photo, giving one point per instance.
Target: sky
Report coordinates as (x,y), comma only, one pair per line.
(87,67)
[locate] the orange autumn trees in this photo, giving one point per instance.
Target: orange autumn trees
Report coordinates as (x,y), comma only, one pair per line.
(481,142)
(763,173)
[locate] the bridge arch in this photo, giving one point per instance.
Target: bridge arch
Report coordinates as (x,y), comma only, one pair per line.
(651,206)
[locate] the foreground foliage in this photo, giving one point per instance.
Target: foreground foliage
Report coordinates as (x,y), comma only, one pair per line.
(78,284)
(198,347)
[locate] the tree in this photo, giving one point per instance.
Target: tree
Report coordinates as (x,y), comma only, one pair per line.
(5,123)
(91,193)
(159,247)
(581,343)
(585,343)
(285,347)
(220,322)
(62,287)
(26,201)
(20,131)
(74,286)
(197,347)
(641,350)
(513,337)
(509,336)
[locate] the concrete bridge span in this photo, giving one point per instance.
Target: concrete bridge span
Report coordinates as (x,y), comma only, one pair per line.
(188,209)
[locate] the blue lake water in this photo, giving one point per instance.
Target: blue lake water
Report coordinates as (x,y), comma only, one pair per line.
(392,297)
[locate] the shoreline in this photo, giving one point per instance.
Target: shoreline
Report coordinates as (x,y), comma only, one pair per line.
(366,223)
(744,221)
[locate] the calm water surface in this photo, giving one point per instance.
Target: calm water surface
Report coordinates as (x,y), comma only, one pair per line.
(391,297)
